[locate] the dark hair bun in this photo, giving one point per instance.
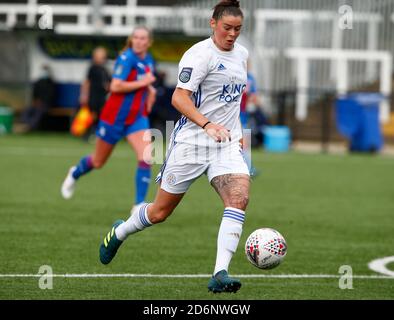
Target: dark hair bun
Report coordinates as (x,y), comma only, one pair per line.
(229,3)
(225,7)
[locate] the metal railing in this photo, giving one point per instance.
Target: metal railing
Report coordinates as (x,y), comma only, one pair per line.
(115,20)
(276,26)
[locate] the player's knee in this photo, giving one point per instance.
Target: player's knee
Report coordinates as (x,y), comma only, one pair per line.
(145,163)
(239,201)
(98,163)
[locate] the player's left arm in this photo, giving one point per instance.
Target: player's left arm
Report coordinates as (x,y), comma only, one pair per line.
(152,92)
(151,98)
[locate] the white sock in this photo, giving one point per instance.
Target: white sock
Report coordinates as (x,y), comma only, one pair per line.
(229,234)
(137,222)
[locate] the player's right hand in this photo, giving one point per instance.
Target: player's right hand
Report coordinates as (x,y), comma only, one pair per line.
(148,79)
(217,132)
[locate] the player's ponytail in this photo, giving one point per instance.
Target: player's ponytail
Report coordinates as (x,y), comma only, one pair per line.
(128,44)
(227,7)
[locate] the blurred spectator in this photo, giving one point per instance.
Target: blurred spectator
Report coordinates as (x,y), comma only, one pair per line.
(249,99)
(44,95)
(252,115)
(95,88)
(250,107)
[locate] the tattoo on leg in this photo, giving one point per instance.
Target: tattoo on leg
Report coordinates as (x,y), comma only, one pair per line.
(233,189)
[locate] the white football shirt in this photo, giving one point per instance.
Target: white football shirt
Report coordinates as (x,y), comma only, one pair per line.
(217,79)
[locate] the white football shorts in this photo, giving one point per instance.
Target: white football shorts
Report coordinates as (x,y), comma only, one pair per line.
(185,163)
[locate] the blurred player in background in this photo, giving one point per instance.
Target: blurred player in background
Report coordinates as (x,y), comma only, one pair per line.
(125,114)
(212,77)
(95,88)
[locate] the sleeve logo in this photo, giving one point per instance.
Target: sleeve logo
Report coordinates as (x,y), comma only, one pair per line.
(185,74)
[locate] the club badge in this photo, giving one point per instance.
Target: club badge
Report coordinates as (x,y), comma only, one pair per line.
(185,74)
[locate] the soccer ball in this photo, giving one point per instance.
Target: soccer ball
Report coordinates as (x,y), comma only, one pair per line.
(265,248)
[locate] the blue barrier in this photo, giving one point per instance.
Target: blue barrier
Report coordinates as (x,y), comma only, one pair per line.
(67,95)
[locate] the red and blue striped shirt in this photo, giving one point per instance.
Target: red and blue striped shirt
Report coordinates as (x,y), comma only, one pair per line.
(124,108)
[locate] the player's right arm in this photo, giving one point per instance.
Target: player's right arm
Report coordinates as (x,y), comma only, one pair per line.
(123,67)
(193,68)
(121,86)
(182,102)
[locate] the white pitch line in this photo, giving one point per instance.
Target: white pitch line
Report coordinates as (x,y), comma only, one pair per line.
(170,276)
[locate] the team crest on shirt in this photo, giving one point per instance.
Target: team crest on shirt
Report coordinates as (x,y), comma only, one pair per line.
(170,179)
(185,74)
(118,70)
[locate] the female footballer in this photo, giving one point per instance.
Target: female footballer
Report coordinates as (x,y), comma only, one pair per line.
(125,114)
(206,140)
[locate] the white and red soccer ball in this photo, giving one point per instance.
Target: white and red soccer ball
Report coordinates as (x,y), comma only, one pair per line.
(265,248)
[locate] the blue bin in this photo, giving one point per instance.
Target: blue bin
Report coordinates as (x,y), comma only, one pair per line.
(276,138)
(357,118)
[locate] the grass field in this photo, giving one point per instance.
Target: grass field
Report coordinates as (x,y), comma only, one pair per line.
(332,210)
